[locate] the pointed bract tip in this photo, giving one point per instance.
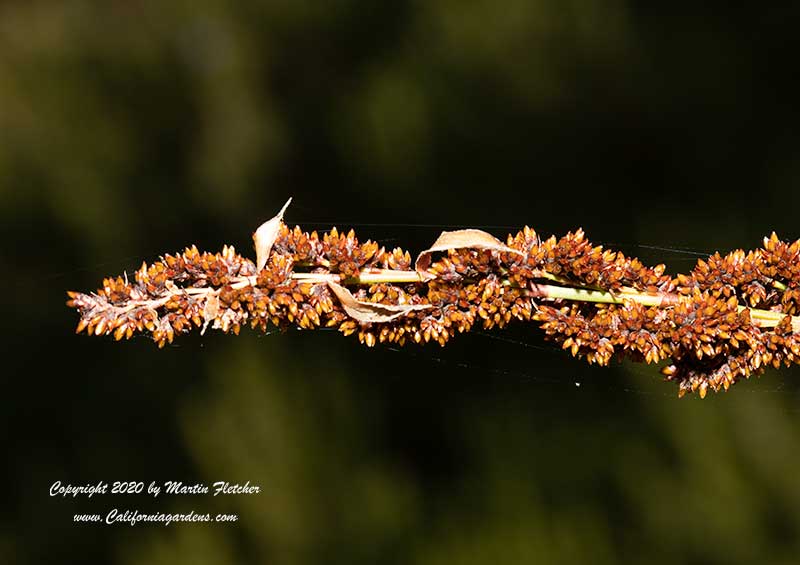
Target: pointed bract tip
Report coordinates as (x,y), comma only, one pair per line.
(264,237)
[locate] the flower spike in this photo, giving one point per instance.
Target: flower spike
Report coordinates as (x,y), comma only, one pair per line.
(730,317)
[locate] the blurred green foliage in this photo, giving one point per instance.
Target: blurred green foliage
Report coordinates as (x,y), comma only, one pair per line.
(130,129)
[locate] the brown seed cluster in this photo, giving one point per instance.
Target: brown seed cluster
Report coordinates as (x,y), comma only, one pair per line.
(710,342)
(704,323)
(574,257)
(767,278)
(194,289)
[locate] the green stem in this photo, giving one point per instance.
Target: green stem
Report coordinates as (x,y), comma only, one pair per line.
(762,318)
(779,285)
(602,296)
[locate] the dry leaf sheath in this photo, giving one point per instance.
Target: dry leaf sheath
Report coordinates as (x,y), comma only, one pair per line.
(730,317)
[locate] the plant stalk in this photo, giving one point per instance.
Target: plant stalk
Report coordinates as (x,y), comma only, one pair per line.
(762,318)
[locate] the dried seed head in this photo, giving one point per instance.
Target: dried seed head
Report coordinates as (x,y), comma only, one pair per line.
(702,322)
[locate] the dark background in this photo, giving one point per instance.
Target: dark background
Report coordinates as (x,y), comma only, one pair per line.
(131,129)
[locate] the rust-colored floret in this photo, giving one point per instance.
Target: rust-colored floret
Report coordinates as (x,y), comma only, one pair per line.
(730,317)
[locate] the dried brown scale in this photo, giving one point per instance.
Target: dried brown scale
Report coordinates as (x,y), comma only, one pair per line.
(574,257)
(766,278)
(301,246)
(700,322)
